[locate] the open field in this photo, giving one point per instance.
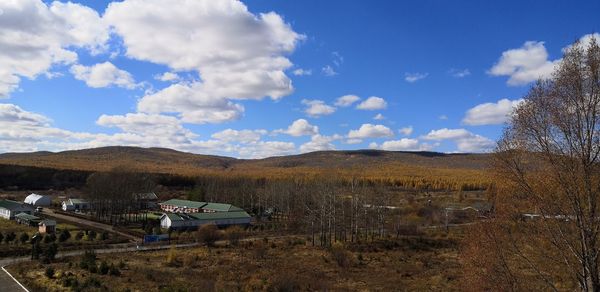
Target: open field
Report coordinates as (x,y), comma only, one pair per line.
(419,263)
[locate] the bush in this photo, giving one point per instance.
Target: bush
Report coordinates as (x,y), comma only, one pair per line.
(1,237)
(49,272)
(64,235)
(50,252)
(91,235)
(23,238)
(88,259)
(114,271)
(79,235)
(234,234)
(104,235)
(208,234)
(103,269)
(49,238)
(341,255)
(10,237)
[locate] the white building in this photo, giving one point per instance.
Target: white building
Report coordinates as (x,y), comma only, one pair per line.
(8,209)
(194,220)
(75,205)
(38,200)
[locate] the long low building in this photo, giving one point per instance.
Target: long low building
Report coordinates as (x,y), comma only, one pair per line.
(9,209)
(185,206)
(194,220)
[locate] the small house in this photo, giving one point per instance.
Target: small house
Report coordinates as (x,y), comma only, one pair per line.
(27,219)
(147,200)
(75,205)
(9,209)
(47,226)
(38,200)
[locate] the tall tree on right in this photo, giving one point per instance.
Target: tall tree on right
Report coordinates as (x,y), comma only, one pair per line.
(545,232)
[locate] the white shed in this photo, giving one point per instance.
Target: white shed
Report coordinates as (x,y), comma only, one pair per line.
(38,200)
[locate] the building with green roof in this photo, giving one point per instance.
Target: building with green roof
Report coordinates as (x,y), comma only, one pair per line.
(194,220)
(9,209)
(185,206)
(27,219)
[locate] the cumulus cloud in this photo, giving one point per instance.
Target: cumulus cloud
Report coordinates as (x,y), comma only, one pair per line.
(300,127)
(316,108)
(465,140)
(319,143)
(372,103)
(370,131)
(379,117)
(168,77)
(267,149)
(192,104)
(406,131)
(243,136)
(103,75)
(414,77)
(404,144)
(237,54)
(491,113)
(525,64)
(35,36)
(346,100)
(302,72)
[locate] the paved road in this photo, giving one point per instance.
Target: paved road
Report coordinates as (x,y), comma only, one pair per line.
(7,284)
(101,226)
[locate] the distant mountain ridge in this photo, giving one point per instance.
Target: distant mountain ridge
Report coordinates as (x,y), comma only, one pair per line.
(163,160)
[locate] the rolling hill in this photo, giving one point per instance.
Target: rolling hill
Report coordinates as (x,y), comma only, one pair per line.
(364,163)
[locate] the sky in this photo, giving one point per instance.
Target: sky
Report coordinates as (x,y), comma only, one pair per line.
(261,78)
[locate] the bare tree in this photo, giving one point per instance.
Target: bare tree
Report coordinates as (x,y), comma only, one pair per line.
(547,165)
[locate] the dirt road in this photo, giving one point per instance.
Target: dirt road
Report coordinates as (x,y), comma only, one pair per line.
(101,226)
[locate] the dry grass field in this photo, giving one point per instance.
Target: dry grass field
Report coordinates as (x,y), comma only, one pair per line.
(415,264)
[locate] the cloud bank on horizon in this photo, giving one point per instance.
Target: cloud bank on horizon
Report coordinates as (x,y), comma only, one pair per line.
(215,77)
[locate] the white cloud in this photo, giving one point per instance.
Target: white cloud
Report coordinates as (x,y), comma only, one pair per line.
(379,117)
(300,127)
(370,131)
(353,141)
(192,103)
(103,75)
(159,127)
(406,131)
(372,103)
(525,64)
(242,136)
(491,113)
(346,100)
(302,72)
(414,77)
(319,143)
(168,76)
(443,117)
(328,71)
(317,108)
(36,36)
(459,73)
(237,54)
(465,140)
(267,149)
(404,144)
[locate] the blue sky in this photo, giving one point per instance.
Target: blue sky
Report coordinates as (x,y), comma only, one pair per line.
(270,77)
